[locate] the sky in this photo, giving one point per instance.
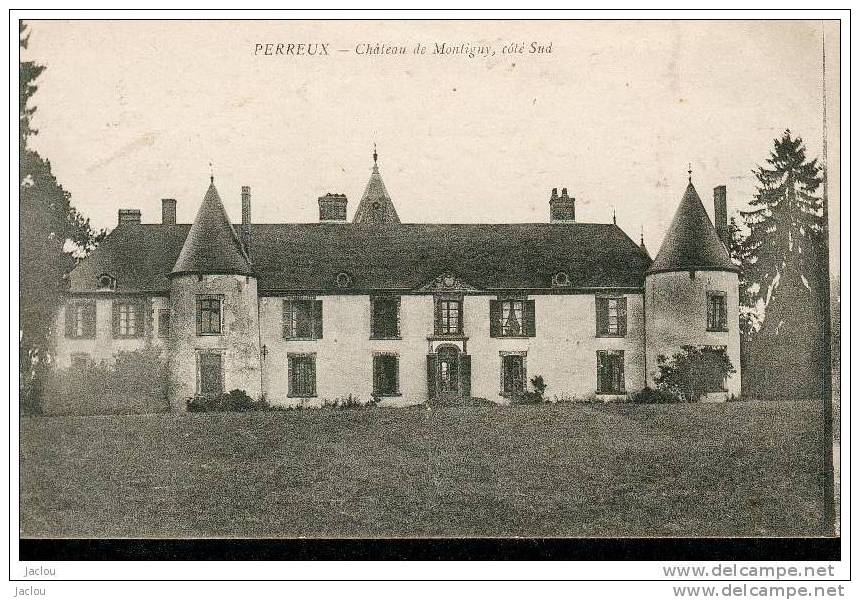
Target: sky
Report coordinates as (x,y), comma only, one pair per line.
(132,112)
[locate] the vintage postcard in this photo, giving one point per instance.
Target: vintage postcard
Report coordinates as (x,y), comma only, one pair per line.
(462,279)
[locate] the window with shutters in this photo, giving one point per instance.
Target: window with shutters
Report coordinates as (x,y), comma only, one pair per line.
(81,319)
(513,374)
(386,375)
(303,319)
(164,322)
(209,315)
(717,317)
(449,316)
(611,316)
(610,371)
(210,372)
(127,319)
(512,318)
(385,318)
(302,376)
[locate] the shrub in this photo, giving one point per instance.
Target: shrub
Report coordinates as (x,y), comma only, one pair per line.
(649,395)
(134,382)
(694,371)
(351,402)
(533,397)
(232,401)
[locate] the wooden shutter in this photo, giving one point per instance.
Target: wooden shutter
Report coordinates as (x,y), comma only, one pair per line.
(431,376)
(724,322)
(318,319)
(70,320)
(90,320)
(711,319)
(312,367)
(529,318)
(622,316)
(465,375)
(139,321)
(286,325)
(460,315)
(495,318)
(619,358)
(601,309)
(115,319)
(437,316)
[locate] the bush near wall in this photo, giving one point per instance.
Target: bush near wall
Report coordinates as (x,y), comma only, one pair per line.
(232,401)
(135,382)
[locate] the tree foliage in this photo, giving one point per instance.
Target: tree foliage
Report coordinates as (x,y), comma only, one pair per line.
(693,372)
(53,235)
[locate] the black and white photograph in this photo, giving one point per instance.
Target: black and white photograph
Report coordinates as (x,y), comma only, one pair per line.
(397,281)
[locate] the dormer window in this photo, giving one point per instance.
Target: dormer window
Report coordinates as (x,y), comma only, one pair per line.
(343,279)
(561,279)
(106,282)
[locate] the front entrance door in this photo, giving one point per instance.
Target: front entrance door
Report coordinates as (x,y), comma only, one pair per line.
(448,373)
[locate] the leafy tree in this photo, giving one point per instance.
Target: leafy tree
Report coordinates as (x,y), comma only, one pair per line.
(693,372)
(783,271)
(53,235)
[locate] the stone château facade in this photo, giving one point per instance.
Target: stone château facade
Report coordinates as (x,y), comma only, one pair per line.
(309,313)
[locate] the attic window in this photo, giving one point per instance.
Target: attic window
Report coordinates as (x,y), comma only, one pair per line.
(106,282)
(561,279)
(343,279)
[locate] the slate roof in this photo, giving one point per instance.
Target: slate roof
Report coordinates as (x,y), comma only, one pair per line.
(375,192)
(691,243)
(308,256)
(212,245)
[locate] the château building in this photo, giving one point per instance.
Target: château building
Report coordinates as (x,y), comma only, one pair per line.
(309,313)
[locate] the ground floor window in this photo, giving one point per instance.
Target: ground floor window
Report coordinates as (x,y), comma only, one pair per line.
(164,322)
(711,371)
(386,376)
(610,371)
(513,373)
(79,360)
(210,373)
(302,376)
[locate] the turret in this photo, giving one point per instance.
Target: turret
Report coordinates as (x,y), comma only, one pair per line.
(214,343)
(691,293)
(375,205)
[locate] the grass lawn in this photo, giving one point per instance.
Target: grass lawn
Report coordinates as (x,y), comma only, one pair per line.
(736,469)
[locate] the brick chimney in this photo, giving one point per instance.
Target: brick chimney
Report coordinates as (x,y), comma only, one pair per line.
(168,211)
(128,216)
(246,217)
(561,209)
(332,208)
(721,214)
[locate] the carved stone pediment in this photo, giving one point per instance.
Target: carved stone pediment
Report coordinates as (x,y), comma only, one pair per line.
(447,282)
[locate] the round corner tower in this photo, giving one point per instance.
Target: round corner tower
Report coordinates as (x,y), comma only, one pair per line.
(214,343)
(691,293)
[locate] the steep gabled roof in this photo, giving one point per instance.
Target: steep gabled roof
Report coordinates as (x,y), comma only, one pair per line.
(691,243)
(212,245)
(297,257)
(375,205)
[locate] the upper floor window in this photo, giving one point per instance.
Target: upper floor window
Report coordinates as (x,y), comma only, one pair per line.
(209,320)
(610,371)
(81,319)
(717,317)
(385,317)
(512,318)
(449,316)
(127,319)
(164,322)
(303,319)
(611,316)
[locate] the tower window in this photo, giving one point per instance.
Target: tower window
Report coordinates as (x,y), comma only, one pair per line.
(209,320)
(717,315)
(611,317)
(210,373)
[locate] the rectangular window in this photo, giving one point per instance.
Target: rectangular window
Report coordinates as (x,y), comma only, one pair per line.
(302,376)
(611,316)
(81,319)
(127,319)
(449,320)
(513,374)
(714,357)
(79,360)
(717,317)
(209,315)
(610,371)
(386,376)
(385,317)
(164,322)
(512,317)
(210,373)
(302,319)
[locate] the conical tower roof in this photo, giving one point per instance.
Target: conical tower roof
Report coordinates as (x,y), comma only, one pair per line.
(692,243)
(376,205)
(212,245)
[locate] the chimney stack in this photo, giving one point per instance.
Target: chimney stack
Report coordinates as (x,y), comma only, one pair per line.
(246,217)
(561,209)
(721,215)
(168,211)
(129,216)
(332,208)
